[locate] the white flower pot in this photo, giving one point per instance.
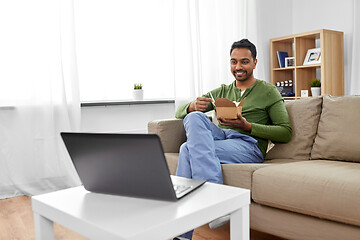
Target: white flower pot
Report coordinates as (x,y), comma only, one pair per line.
(138,94)
(315,91)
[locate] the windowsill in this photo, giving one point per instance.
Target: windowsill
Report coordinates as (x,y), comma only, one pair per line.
(126,102)
(7,107)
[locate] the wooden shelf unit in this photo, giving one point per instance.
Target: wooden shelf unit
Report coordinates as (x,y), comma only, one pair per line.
(331,66)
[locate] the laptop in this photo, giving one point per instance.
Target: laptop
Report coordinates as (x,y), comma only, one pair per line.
(131,165)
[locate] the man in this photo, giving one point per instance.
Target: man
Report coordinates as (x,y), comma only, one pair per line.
(243,140)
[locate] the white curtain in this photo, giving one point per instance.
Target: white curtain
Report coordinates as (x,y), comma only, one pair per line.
(355,60)
(38,96)
(204,31)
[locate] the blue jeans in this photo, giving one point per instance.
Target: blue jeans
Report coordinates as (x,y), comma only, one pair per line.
(209,146)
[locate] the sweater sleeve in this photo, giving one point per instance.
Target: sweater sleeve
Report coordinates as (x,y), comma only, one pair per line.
(181,111)
(280,130)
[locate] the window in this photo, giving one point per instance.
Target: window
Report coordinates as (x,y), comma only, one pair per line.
(120,43)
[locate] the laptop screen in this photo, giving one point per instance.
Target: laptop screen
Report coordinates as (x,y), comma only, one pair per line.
(121,164)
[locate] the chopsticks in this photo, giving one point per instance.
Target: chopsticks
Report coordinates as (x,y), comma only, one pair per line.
(212,99)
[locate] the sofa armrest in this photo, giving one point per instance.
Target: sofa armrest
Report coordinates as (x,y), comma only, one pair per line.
(171,133)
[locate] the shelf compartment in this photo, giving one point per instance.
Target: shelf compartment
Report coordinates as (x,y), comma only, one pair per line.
(304,77)
(283,75)
(283,46)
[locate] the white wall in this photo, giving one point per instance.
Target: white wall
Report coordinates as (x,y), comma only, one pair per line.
(272,19)
(124,118)
(337,15)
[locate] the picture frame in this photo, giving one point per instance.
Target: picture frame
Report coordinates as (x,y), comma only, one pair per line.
(304,93)
(289,61)
(313,56)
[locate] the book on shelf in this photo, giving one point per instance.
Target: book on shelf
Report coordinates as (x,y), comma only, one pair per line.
(281,57)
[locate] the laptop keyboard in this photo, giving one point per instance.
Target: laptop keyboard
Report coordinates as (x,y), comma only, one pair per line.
(181,188)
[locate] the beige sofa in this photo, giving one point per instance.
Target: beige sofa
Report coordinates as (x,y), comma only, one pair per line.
(308,188)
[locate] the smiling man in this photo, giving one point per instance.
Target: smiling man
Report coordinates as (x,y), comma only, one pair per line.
(242,140)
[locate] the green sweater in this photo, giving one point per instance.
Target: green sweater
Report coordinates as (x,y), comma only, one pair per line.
(263,107)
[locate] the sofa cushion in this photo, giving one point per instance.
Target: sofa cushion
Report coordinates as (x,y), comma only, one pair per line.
(338,136)
(237,175)
(240,175)
(172,161)
(304,116)
(324,189)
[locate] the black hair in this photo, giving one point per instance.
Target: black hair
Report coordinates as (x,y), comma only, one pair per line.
(244,43)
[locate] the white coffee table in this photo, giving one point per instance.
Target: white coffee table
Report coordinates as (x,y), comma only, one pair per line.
(100,216)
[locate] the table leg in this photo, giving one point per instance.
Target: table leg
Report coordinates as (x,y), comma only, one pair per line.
(239,224)
(44,229)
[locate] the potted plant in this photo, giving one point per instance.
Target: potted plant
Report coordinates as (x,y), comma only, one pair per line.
(138,91)
(315,87)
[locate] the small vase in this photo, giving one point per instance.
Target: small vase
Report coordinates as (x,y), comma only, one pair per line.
(315,91)
(138,94)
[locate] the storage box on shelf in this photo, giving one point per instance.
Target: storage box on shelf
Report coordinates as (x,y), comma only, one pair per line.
(331,68)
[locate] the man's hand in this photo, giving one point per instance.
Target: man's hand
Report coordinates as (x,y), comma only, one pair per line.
(200,104)
(240,122)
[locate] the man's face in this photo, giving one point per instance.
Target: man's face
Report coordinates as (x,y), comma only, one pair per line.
(242,64)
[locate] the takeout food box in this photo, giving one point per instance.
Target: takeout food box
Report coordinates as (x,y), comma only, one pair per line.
(228,109)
